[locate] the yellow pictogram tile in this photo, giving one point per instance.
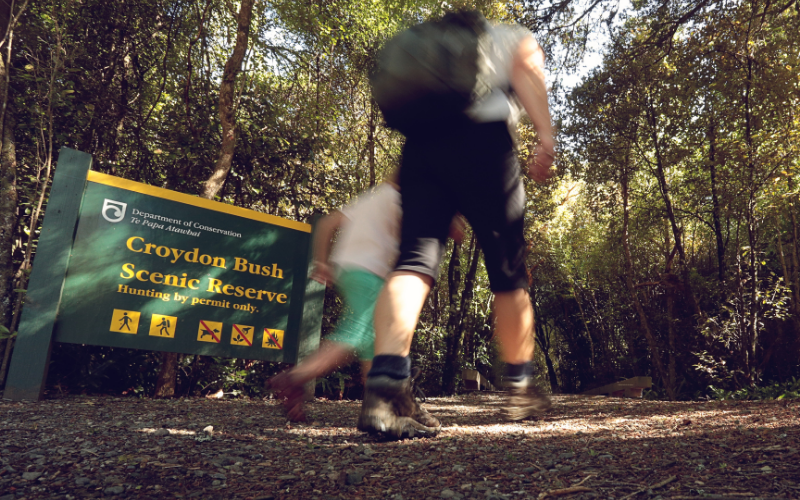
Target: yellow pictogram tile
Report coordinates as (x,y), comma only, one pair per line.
(273,339)
(125,321)
(163,326)
(242,335)
(209,331)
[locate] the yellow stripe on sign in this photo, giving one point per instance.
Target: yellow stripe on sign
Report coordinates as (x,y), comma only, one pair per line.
(138,187)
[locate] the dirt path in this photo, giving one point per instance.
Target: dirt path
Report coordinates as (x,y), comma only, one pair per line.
(92,447)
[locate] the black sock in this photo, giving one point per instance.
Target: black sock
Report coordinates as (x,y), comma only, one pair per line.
(518,373)
(397,367)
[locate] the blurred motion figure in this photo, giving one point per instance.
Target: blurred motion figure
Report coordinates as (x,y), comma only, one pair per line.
(456,88)
(363,255)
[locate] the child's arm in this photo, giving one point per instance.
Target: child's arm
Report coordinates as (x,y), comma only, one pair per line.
(323,237)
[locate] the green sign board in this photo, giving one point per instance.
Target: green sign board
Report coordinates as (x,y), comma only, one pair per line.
(150,268)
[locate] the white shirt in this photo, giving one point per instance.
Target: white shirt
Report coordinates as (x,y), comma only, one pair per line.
(370,235)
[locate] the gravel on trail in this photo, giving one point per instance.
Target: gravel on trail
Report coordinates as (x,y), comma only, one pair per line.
(585,447)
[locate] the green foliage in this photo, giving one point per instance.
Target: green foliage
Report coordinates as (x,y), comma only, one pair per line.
(87,369)
(677,151)
(93,369)
(334,385)
(5,334)
(789,389)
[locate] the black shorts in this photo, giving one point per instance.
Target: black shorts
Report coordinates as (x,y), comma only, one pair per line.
(471,169)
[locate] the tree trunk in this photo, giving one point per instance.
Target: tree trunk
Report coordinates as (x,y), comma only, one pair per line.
(9,347)
(167,381)
(655,352)
(671,320)
(715,208)
(793,306)
(122,70)
(168,373)
(752,236)
(544,344)
(8,221)
(195,367)
(671,336)
(449,375)
(791,278)
(585,326)
(670,299)
(458,335)
(543,341)
(371,142)
(8,181)
(8,19)
(795,282)
(741,326)
(8,215)
(15,316)
(786,276)
(226,106)
(754,307)
(676,232)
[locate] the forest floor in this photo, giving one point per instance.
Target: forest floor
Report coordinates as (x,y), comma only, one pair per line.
(585,447)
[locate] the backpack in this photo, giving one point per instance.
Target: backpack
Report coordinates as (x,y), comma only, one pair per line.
(433,72)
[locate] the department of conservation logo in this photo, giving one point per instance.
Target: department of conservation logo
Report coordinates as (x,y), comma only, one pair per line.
(113,211)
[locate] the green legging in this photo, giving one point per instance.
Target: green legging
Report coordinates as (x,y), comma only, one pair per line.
(360,289)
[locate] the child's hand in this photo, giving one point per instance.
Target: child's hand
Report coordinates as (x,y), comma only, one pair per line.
(323,273)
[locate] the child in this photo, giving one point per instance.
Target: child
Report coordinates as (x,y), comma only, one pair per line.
(364,254)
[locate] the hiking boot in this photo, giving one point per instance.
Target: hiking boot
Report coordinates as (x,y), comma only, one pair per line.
(390,407)
(525,400)
(292,392)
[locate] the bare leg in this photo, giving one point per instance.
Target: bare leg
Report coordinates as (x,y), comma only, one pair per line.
(514,326)
(289,384)
(397,311)
(389,405)
(330,356)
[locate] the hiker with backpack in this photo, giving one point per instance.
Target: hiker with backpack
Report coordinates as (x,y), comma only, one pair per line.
(454,88)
